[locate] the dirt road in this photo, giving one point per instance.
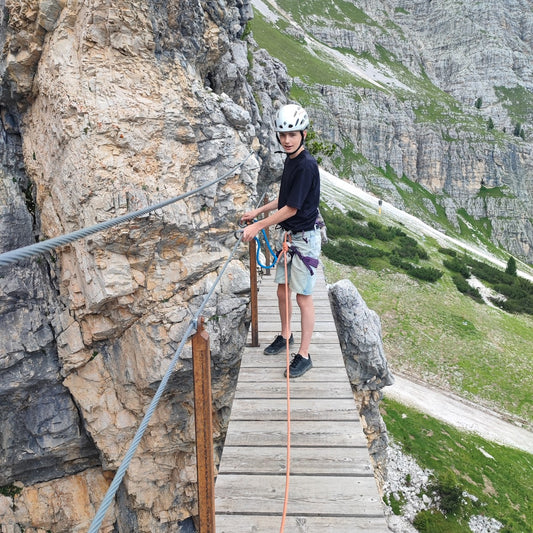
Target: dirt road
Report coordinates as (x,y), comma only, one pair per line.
(459,413)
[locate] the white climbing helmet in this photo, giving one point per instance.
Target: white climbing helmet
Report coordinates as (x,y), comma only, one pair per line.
(291,117)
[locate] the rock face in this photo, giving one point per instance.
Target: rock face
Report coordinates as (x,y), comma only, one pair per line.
(441,95)
(359,332)
(107,108)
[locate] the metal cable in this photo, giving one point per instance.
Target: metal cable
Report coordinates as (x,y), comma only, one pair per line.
(111,491)
(25,252)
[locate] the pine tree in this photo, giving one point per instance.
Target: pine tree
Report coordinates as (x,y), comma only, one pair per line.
(511,266)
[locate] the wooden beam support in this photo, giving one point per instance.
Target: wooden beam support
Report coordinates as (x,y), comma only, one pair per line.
(205,462)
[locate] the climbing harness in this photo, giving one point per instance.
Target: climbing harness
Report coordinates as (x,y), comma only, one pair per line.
(309,262)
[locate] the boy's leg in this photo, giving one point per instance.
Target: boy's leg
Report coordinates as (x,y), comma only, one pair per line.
(284,297)
(307,311)
(301,362)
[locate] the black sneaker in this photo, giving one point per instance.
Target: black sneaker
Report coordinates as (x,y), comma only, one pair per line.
(278,345)
(299,366)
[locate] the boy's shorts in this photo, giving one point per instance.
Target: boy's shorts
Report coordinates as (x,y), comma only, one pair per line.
(308,243)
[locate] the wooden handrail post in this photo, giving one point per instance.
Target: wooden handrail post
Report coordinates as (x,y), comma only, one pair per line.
(205,463)
(253,293)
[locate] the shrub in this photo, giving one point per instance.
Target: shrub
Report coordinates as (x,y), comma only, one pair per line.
(398,232)
(489,273)
(396,261)
(511,266)
(10,491)
(464,287)
(449,492)
(394,504)
(409,248)
(424,273)
(514,291)
(522,305)
(348,253)
(381,232)
(456,265)
(448,251)
(434,522)
(341,225)
(355,215)
(525,285)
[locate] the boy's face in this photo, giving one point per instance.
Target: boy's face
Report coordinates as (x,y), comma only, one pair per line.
(290,140)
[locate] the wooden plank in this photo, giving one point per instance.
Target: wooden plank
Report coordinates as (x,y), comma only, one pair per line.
(322,323)
(303,433)
(326,335)
(275,373)
(300,524)
(275,409)
(324,349)
(324,461)
(298,389)
(330,495)
(321,360)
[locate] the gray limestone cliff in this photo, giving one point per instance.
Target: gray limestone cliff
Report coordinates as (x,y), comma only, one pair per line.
(413,93)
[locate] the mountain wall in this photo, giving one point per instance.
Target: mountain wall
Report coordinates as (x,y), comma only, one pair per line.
(437,94)
(108,107)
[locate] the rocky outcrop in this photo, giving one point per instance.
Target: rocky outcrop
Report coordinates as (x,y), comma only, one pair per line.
(43,435)
(359,332)
(107,108)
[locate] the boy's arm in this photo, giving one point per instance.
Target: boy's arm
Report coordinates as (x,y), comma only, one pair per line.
(250,215)
(279,216)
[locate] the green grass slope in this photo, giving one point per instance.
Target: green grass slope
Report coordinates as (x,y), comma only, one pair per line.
(470,476)
(431,329)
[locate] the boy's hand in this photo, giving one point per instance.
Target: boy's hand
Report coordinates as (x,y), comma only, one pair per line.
(250,232)
(247,217)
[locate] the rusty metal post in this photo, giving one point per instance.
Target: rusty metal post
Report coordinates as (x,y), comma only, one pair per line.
(253,294)
(205,463)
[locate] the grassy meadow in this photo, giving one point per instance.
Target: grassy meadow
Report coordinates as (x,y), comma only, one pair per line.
(471,476)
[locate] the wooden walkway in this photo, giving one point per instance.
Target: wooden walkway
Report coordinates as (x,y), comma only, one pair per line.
(332,488)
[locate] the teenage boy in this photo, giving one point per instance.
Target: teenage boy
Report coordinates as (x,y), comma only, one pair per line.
(296,214)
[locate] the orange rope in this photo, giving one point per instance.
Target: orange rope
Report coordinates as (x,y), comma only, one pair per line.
(285,249)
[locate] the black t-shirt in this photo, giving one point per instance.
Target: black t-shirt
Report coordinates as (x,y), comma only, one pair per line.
(300,188)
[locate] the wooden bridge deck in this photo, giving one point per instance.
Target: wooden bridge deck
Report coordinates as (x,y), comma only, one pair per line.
(332,488)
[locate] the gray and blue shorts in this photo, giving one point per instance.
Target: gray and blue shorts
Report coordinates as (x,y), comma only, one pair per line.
(302,260)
